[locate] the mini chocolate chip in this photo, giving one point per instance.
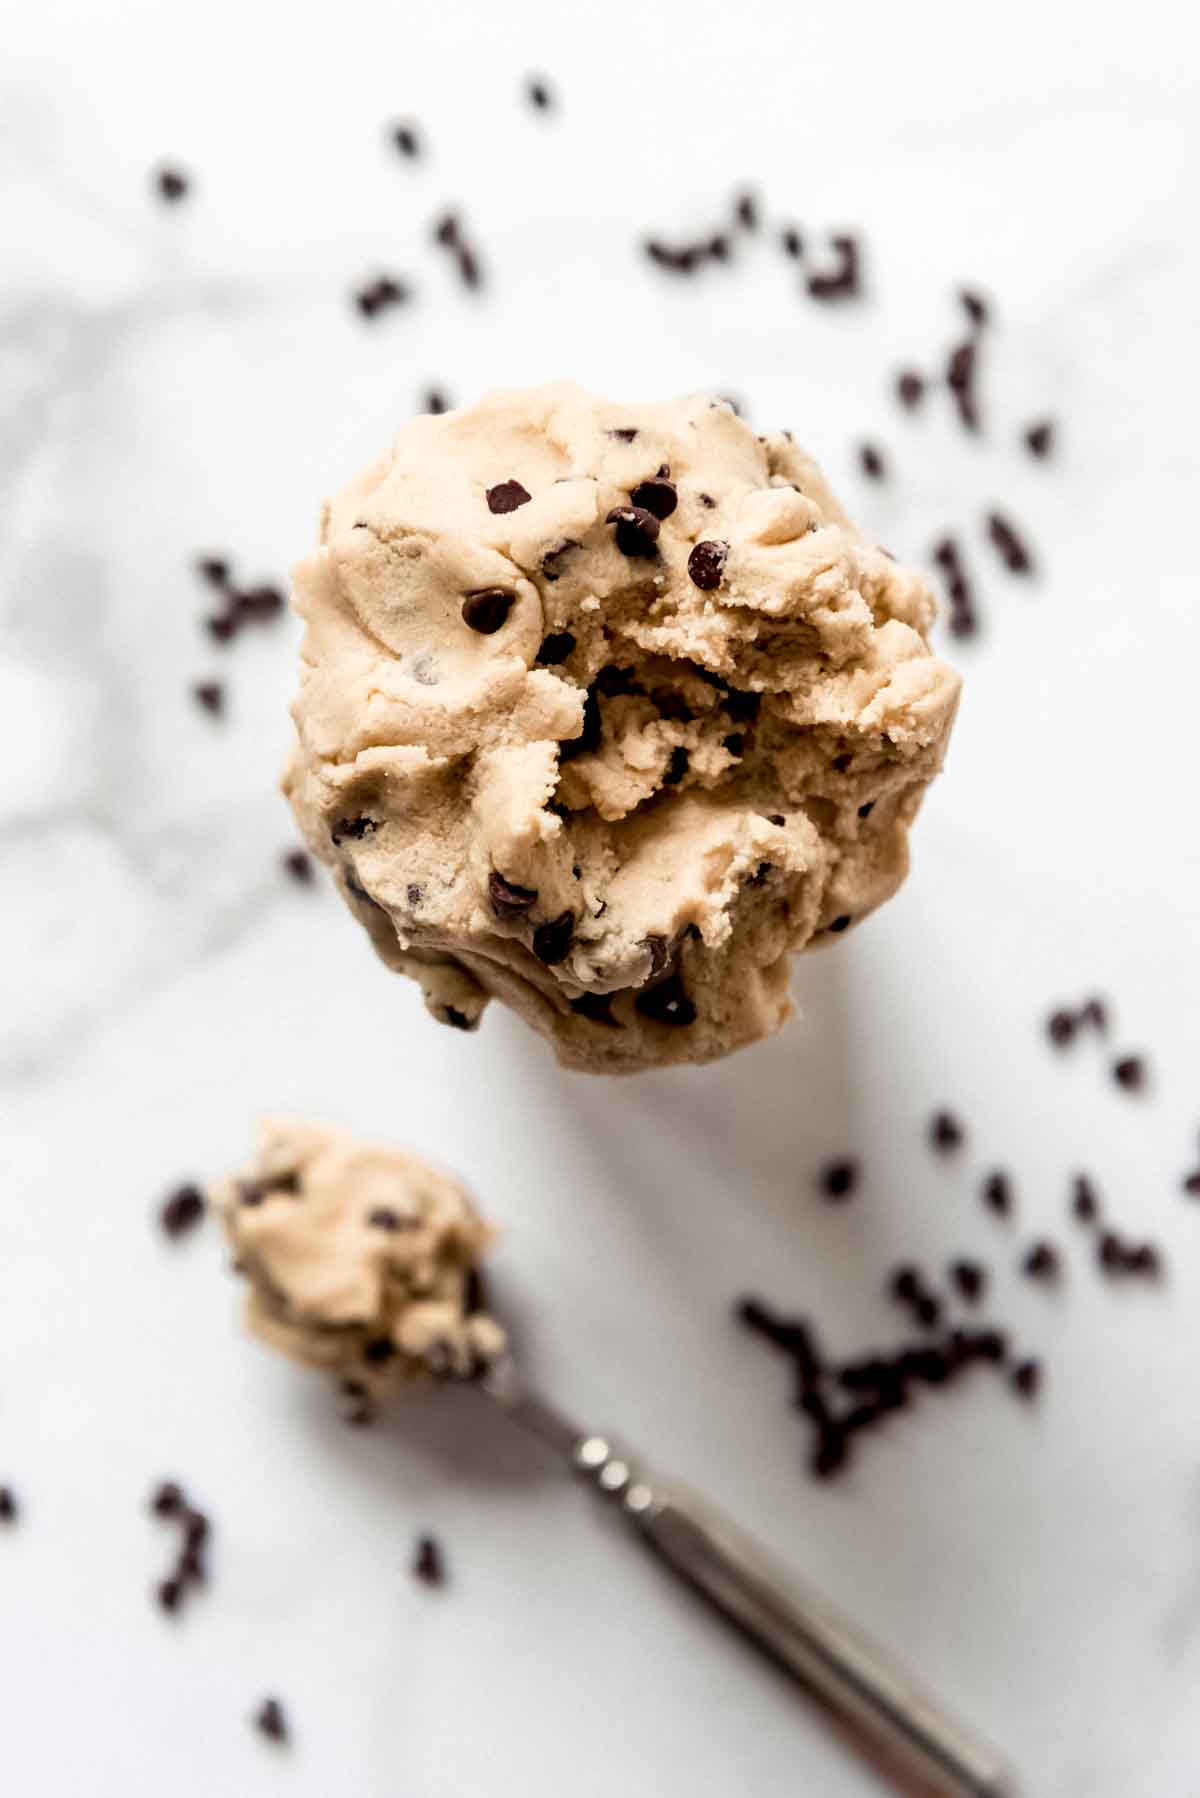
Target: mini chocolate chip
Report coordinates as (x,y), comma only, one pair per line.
(1094,1012)
(839,1179)
(1084,1203)
(945,553)
(1012,549)
(181,1211)
(843,280)
(270,1720)
(1144,1258)
(457,1020)
(706,564)
(213,569)
(507,496)
(556,648)
(1041,1262)
(211,695)
(974,305)
(260,602)
(960,368)
(624,433)
(167,1499)
(658,495)
(486,610)
(1026,1378)
(997,1193)
(677,767)
(776,818)
(509,900)
(428,1563)
(552,941)
(969,1278)
(746,211)
(1191,1184)
(1061,1026)
(637,530)
(470,272)
(871,462)
(414,893)
(718,247)
(1130,1073)
(538,94)
(1110,1251)
(446,230)
(667,1003)
(707,501)
(436,401)
(222,628)
(379,1351)
(840,924)
(384,1218)
(910,388)
(197,1528)
(298,865)
(406,139)
(352,830)
(864,811)
(792,243)
(171,184)
(596,1008)
(735,743)
(945,1131)
(170,1594)
(1039,439)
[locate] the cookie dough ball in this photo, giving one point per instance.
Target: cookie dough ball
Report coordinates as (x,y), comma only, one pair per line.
(360,1259)
(605,711)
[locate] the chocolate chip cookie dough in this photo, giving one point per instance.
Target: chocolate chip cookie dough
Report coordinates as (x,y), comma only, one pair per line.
(360,1259)
(605,711)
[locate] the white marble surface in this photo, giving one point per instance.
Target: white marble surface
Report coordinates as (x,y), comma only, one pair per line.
(177,380)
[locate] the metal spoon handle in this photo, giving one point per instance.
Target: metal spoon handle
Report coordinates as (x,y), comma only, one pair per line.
(911,1739)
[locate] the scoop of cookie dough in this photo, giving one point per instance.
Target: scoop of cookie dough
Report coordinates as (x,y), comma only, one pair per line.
(605,711)
(360,1259)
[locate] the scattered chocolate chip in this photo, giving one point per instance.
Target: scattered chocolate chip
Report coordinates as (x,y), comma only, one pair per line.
(457,1020)
(556,649)
(1094,1012)
(1026,1378)
(745,211)
(840,924)
(552,563)
(270,1720)
(213,569)
(843,280)
(10,1510)
(706,564)
(637,530)
(506,496)
(379,1351)
(1129,1072)
(1039,439)
(447,230)
(596,1008)
(509,901)
(718,247)
(428,1562)
(169,1593)
(974,305)
(487,610)
(1061,1026)
(211,695)
(624,433)
(910,388)
(552,941)
(791,242)
(352,830)
(945,1132)
(969,1278)
(167,1499)
(467,262)
(435,401)
(406,139)
(1191,1184)
(997,1194)
(538,94)
(776,818)
(297,864)
(871,461)
(864,811)
(839,1179)
(667,1003)
(1084,1204)
(381,294)
(181,1211)
(1009,545)
(657,495)
(677,767)
(708,502)
(171,184)
(1042,1262)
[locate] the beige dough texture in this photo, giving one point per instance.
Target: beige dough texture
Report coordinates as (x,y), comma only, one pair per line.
(360,1259)
(606,711)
